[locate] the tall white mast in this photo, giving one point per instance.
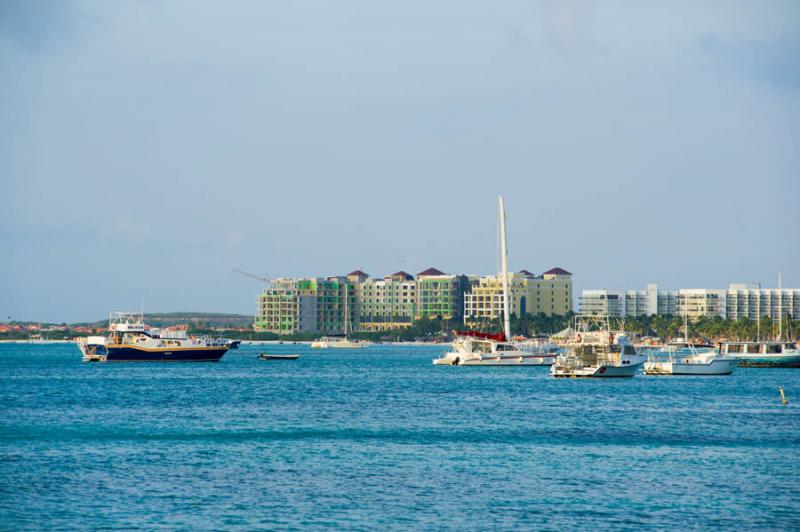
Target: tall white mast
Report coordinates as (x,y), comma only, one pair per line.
(685,324)
(780,310)
(504,262)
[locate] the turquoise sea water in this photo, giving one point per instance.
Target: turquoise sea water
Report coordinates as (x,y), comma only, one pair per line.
(381,438)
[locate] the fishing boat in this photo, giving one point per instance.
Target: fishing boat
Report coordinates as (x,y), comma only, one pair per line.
(595,351)
(130,340)
(472,348)
(341,342)
(682,357)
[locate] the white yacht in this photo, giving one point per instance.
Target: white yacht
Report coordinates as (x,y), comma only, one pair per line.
(687,359)
(338,342)
(682,357)
(472,348)
(595,351)
(481,349)
(341,342)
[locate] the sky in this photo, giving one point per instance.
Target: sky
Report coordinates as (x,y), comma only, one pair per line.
(148,148)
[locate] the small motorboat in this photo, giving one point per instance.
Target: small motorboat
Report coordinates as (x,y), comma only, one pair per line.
(268,356)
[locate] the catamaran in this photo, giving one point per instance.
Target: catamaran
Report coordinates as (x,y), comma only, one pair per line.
(341,342)
(595,351)
(472,348)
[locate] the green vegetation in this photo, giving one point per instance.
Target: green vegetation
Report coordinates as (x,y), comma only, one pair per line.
(437,328)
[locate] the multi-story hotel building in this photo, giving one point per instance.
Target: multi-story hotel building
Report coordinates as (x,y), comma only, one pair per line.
(738,301)
(602,303)
(440,295)
(750,301)
(549,293)
(388,303)
(316,304)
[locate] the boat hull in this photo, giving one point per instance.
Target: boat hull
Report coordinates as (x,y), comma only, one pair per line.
(716,367)
(132,354)
(459,359)
(778,360)
(598,372)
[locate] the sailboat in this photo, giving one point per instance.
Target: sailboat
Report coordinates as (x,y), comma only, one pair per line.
(682,357)
(341,342)
(472,348)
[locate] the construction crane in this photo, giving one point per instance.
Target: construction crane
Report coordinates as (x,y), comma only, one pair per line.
(250,275)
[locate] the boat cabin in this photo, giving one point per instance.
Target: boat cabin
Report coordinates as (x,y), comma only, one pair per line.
(756,348)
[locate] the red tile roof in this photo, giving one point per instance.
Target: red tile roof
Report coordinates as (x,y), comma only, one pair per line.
(526,272)
(431,271)
(402,274)
(358,273)
(556,271)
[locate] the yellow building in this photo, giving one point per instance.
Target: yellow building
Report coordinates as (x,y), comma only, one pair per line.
(549,293)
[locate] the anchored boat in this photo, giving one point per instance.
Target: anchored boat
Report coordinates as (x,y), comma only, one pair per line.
(682,357)
(688,359)
(130,340)
(595,351)
(471,348)
(341,342)
(763,354)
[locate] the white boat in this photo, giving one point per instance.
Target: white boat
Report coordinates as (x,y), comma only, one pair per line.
(598,353)
(689,361)
(682,357)
(763,354)
(481,349)
(472,348)
(338,342)
(341,342)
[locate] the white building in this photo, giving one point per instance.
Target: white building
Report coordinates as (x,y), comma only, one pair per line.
(738,301)
(602,303)
(750,301)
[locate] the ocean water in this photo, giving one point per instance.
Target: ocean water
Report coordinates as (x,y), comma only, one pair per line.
(382,438)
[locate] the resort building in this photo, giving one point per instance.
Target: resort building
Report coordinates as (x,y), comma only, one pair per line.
(388,303)
(549,293)
(317,305)
(650,301)
(738,301)
(750,301)
(312,305)
(602,303)
(440,295)
(698,302)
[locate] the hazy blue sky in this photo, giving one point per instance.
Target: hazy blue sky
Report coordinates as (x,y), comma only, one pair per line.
(148,147)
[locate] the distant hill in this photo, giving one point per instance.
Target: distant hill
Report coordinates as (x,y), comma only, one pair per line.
(167,319)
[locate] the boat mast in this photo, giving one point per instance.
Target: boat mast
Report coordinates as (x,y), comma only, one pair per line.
(504,262)
(780,310)
(685,324)
(758,316)
(345,310)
